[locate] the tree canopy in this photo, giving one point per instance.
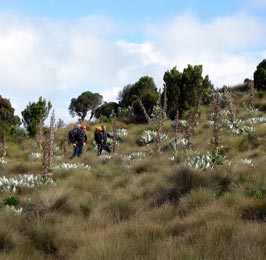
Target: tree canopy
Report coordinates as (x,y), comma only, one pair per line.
(184,89)
(106,109)
(143,90)
(85,102)
(260,76)
(34,113)
(7,117)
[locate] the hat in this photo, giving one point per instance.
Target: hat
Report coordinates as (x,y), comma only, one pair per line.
(83,127)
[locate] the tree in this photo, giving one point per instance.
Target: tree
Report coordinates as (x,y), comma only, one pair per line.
(7,121)
(7,117)
(106,109)
(183,90)
(85,102)
(172,82)
(143,90)
(260,76)
(34,113)
(124,96)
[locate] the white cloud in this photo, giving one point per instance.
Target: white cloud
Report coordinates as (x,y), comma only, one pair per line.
(187,34)
(45,55)
(60,59)
(111,94)
(224,46)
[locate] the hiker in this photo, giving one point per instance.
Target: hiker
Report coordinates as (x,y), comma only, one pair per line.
(79,140)
(72,133)
(100,137)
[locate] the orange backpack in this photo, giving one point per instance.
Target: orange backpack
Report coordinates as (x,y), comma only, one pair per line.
(98,130)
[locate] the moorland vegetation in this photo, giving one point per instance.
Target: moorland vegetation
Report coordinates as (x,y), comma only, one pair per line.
(190,187)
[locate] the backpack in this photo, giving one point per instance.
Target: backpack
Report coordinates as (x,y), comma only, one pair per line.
(97,133)
(72,134)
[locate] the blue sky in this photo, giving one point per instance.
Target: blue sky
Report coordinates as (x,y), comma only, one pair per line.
(58,49)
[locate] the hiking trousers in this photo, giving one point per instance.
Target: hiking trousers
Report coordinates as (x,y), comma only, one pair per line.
(103,146)
(77,151)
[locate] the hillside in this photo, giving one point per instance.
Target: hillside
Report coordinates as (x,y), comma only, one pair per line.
(206,202)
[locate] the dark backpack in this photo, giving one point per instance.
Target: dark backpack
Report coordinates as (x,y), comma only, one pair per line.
(72,135)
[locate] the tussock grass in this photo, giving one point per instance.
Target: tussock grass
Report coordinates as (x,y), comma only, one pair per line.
(44,237)
(146,208)
(6,238)
(107,245)
(48,201)
(196,199)
(253,209)
(119,209)
(151,164)
(24,167)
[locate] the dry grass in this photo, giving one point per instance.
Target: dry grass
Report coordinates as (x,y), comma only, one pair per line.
(150,208)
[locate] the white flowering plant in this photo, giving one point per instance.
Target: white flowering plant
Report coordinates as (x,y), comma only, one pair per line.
(255,120)
(22,181)
(181,124)
(70,166)
(17,211)
(35,155)
(246,161)
(238,127)
(122,134)
(135,155)
(104,157)
(178,143)
(252,110)
(149,137)
(208,160)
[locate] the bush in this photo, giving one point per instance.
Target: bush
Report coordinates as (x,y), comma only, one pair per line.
(254,209)
(11,201)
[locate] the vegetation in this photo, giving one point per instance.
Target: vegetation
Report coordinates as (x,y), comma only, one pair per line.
(7,117)
(184,89)
(200,196)
(34,114)
(107,110)
(260,76)
(85,102)
(143,90)
(7,121)
(190,187)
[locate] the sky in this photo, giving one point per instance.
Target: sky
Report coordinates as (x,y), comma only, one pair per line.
(58,49)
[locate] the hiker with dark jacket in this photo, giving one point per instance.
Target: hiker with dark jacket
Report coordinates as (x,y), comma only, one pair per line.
(101,140)
(79,141)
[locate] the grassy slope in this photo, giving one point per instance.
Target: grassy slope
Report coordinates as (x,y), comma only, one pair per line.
(143,209)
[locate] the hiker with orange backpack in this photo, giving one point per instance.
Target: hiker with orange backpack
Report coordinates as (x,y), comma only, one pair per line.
(100,137)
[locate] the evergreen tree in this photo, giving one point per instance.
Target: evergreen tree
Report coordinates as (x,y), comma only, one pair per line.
(143,90)
(34,113)
(184,89)
(85,102)
(260,76)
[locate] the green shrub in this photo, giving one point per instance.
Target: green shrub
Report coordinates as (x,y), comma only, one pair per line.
(11,201)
